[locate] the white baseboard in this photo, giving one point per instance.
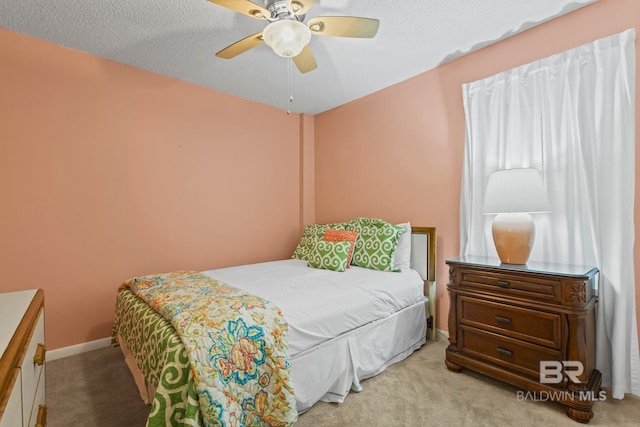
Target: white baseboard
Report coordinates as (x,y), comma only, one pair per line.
(442,334)
(60,353)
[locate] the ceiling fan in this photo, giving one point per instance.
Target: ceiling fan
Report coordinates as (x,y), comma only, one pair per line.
(287,34)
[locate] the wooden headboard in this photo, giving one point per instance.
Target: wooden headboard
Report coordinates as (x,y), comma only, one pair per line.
(423,260)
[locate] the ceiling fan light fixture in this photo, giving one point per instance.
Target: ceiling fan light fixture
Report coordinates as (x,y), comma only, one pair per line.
(287,37)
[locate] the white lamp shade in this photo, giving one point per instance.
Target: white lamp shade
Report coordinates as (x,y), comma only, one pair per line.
(513,194)
(516,190)
(287,37)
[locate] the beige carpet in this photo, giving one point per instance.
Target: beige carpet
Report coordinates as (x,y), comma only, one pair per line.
(419,391)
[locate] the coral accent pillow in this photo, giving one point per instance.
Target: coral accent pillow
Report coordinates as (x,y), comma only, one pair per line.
(332,235)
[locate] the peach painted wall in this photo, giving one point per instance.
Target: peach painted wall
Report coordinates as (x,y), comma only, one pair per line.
(108,171)
(397,154)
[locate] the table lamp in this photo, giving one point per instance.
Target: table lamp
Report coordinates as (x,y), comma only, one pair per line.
(513,194)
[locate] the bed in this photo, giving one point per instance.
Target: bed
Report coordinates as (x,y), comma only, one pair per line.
(342,328)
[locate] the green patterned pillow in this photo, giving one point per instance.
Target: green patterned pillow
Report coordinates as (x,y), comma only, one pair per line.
(376,243)
(330,255)
(312,234)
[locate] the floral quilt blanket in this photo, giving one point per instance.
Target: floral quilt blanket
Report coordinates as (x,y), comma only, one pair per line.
(236,344)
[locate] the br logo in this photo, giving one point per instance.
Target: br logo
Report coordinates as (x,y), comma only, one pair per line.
(551,371)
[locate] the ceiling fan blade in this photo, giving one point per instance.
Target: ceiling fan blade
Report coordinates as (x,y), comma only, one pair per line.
(299,7)
(245,7)
(344,26)
(241,46)
(305,61)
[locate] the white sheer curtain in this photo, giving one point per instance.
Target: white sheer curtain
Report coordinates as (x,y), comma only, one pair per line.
(572,117)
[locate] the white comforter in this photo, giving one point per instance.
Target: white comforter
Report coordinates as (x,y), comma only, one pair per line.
(322,304)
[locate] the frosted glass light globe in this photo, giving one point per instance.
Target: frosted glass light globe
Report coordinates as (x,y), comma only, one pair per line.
(287,37)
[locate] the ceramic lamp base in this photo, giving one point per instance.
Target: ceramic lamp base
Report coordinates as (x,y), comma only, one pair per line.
(513,235)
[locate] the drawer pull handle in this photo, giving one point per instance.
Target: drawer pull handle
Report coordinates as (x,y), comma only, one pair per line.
(41,421)
(504,352)
(503,319)
(38,357)
(502,284)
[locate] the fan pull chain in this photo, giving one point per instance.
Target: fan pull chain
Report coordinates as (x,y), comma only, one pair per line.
(290,84)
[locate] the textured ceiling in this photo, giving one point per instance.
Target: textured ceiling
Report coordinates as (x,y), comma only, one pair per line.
(179,38)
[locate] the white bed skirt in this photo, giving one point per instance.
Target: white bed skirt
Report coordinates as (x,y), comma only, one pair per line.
(328,371)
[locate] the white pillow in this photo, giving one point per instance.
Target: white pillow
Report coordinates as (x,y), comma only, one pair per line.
(402,255)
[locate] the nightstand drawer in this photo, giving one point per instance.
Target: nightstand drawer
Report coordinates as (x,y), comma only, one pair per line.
(507,284)
(509,353)
(538,327)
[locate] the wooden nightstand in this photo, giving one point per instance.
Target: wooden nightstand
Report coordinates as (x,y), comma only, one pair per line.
(505,319)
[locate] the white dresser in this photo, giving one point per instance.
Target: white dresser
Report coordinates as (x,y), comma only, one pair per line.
(22,365)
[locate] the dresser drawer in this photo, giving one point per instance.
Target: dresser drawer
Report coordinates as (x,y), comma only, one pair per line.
(33,373)
(21,333)
(39,411)
(537,327)
(531,288)
(509,353)
(11,405)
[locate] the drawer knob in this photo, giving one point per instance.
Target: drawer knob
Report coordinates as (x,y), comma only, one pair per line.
(502,284)
(41,421)
(504,352)
(38,357)
(503,319)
